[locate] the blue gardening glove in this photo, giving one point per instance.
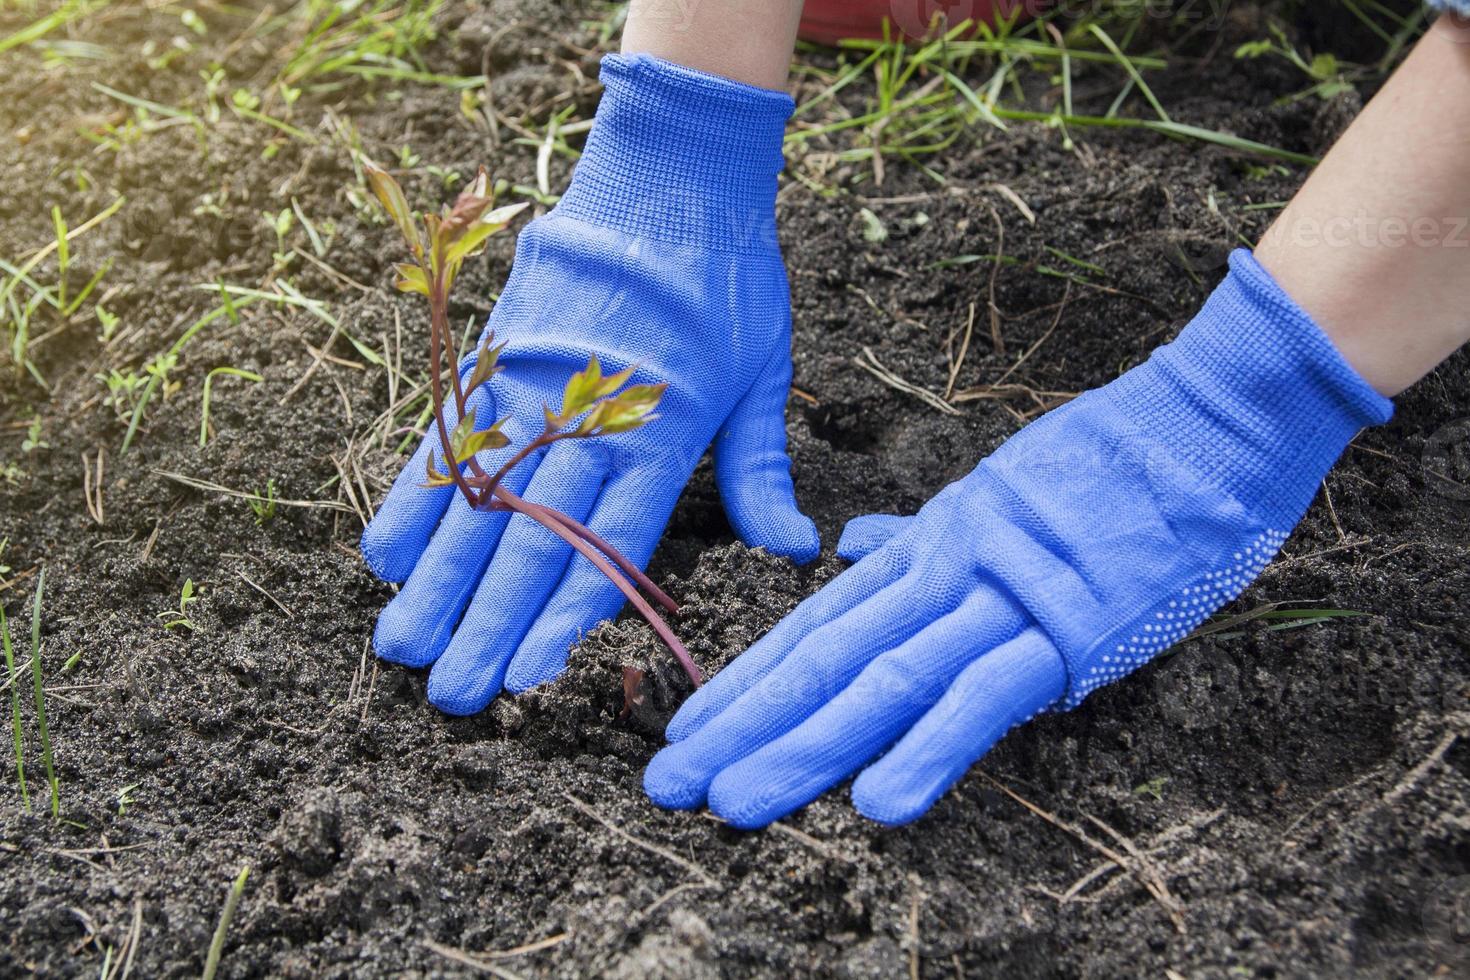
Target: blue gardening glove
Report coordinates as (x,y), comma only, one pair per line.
(1092,540)
(661,254)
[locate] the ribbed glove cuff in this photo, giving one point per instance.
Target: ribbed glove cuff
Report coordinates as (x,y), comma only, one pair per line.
(1254,395)
(681,156)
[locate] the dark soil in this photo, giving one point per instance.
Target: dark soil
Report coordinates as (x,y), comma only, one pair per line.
(1302,793)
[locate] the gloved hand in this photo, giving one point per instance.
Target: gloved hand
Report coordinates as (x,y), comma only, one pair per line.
(1092,540)
(661,254)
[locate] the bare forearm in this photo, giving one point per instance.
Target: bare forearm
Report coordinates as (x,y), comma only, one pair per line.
(748,41)
(1376,245)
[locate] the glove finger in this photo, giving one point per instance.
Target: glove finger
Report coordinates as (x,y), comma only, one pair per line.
(889,696)
(753,471)
(866,534)
(630,515)
(1004,688)
(396,537)
(415,627)
(820,667)
(838,597)
(528,563)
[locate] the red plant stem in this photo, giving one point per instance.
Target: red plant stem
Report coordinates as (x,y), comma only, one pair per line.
(592,546)
(543,516)
(489,483)
(439,338)
(591,537)
(436,390)
(459,393)
(492,487)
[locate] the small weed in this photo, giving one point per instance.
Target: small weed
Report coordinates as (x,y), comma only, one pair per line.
(33,439)
(314,234)
(16,729)
(1278,617)
(40,704)
(280,224)
(107,321)
(263,505)
(46,759)
(122,391)
(17,312)
(179,618)
(1154,787)
(67,305)
(125,798)
(874,231)
(1330,77)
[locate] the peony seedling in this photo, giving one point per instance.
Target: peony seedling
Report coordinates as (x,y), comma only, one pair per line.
(593,405)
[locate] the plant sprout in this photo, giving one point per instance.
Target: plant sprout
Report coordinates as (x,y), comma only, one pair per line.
(593,405)
(179,618)
(263,505)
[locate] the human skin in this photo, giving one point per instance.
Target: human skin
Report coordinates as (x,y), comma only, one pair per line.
(750,41)
(1376,244)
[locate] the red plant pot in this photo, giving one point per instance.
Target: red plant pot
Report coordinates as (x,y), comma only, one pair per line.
(828,21)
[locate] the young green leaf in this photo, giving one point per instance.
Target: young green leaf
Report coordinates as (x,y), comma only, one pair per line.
(411,279)
(502,215)
(487,362)
(393,201)
(464,215)
(491,438)
(434,477)
(472,242)
(629,410)
(587,386)
(462,431)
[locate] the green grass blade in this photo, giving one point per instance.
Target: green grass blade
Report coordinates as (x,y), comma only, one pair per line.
(1182,130)
(958,84)
(63,254)
(1227,140)
(81,297)
(39,29)
(154,107)
(208,381)
(217,944)
(15,726)
(1129,67)
(137,418)
(41,698)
